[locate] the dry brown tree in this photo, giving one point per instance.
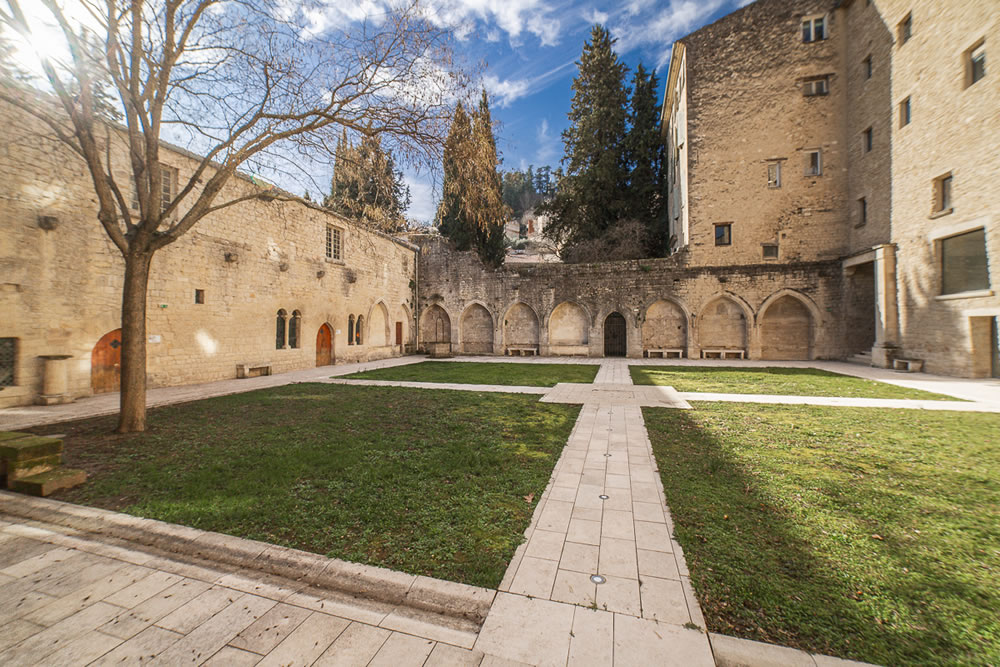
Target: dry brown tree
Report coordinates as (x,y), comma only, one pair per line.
(247,84)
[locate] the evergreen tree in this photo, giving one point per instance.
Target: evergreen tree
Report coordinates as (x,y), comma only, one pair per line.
(644,156)
(591,196)
(490,241)
(366,185)
(451,221)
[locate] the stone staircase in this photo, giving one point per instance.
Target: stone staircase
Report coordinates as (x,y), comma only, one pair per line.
(32,464)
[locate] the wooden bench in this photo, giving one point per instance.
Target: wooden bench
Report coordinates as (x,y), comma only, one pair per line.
(519,351)
(252,370)
(666,353)
(908,365)
(721,353)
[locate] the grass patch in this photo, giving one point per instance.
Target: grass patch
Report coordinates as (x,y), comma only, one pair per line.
(438,483)
(778,381)
(471,372)
(863,533)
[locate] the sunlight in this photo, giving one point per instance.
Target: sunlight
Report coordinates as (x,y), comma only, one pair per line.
(207,344)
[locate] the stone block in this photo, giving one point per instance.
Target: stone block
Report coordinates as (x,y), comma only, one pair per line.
(28,447)
(15,470)
(47,483)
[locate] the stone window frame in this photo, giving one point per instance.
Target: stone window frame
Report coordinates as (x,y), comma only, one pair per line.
(868,140)
(938,239)
(906,111)
(809,22)
(976,52)
(281,330)
(199,296)
(334,243)
(816,170)
(943,195)
(904,29)
(8,361)
(727,235)
(816,86)
(170,175)
(765,247)
(774,180)
(295,330)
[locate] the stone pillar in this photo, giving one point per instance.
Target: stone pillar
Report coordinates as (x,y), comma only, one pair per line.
(886,312)
(55,383)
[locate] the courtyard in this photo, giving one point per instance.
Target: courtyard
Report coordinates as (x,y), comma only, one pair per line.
(601,525)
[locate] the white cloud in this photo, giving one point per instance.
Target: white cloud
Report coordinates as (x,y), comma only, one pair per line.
(506,90)
(548,145)
(595,16)
(661,26)
(423,201)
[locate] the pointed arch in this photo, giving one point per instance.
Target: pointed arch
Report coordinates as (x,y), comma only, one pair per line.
(475,329)
(377,334)
(435,325)
(568,329)
(723,323)
(520,326)
(787,326)
(665,326)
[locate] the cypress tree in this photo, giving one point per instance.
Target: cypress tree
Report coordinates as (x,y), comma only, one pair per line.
(490,241)
(451,221)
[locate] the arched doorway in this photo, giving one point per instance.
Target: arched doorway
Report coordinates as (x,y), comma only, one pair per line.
(615,336)
(324,346)
(106,363)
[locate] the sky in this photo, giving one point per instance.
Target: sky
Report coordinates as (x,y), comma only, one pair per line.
(529,50)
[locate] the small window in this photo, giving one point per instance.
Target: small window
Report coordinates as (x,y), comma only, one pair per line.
(814,163)
(8,358)
(867,66)
(942,193)
(774,175)
(905,29)
(770,250)
(357,331)
(350,330)
(975,63)
(168,189)
(724,233)
(333,243)
(867,140)
(294,326)
(862,212)
(814,29)
(199,296)
(815,87)
(279,330)
(963,263)
(905,113)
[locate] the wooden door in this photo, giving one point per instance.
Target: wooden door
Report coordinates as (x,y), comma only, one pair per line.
(324,346)
(106,363)
(399,333)
(614,336)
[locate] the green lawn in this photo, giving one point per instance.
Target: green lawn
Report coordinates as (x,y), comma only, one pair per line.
(864,533)
(782,381)
(428,482)
(471,372)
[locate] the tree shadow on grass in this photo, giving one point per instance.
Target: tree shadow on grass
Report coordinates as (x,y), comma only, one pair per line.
(779,537)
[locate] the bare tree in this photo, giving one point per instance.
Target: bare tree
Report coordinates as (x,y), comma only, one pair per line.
(248,84)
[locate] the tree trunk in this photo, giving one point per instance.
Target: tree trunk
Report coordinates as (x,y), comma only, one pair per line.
(132,418)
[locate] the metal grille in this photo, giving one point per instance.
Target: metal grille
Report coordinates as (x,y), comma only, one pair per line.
(8,355)
(614,336)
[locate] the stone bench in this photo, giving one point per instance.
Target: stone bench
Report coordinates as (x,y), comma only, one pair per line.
(908,365)
(723,353)
(666,353)
(522,351)
(252,370)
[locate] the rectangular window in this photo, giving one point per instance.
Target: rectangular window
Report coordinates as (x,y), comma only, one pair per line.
(8,357)
(867,65)
(334,248)
(199,296)
(168,189)
(963,263)
(905,113)
(905,29)
(814,163)
(975,63)
(724,233)
(814,29)
(814,87)
(774,175)
(866,139)
(942,193)
(862,211)
(770,250)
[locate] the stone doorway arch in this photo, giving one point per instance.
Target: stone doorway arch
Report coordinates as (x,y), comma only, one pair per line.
(106,363)
(615,336)
(324,345)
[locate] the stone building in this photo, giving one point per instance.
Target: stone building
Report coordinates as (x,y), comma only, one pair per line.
(865,132)
(260,287)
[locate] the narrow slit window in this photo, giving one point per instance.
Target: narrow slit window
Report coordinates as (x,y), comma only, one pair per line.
(814,163)
(294,327)
(774,175)
(357,331)
(199,296)
(905,29)
(350,330)
(905,112)
(279,329)
(867,139)
(942,193)
(975,63)
(862,211)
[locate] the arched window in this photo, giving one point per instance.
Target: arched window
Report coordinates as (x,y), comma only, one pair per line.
(357,331)
(293,329)
(350,330)
(279,330)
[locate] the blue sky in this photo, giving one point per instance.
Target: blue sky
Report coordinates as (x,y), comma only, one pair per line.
(529,48)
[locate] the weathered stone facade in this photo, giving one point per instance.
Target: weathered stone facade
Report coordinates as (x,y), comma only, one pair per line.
(763,311)
(60,288)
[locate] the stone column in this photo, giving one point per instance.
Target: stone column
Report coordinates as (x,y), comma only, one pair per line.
(886,311)
(55,383)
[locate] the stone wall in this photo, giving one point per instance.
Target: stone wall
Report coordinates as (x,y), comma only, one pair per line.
(60,289)
(667,304)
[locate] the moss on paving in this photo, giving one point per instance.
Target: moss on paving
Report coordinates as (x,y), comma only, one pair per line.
(774,381)
(438,483)
(869,534)
(471,372)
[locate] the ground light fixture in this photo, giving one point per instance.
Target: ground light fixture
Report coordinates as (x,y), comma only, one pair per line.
(597,579)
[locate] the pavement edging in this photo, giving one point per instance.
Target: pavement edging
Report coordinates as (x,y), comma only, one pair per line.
(446,598)
(738,652)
